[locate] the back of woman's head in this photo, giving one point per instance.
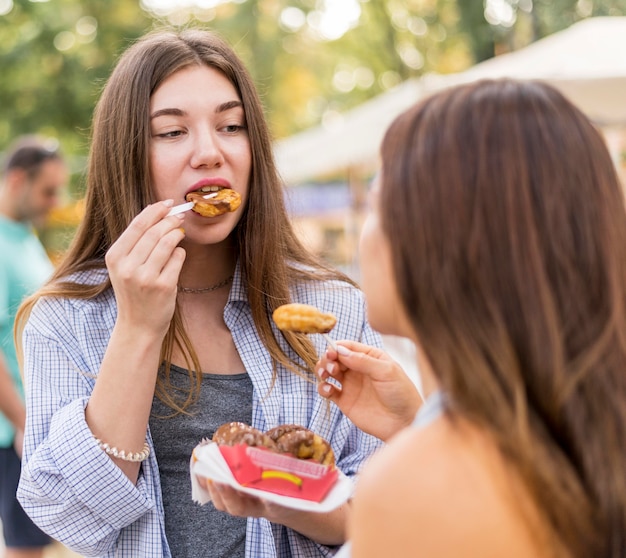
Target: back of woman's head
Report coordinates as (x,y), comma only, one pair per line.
(509,246)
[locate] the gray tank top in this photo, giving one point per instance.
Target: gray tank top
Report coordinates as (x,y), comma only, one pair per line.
(195,531)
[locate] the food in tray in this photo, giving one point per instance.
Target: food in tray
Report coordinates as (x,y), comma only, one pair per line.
(291,439)
(303,318)
(233,433)
(288,460)
(302,443)
(212,203)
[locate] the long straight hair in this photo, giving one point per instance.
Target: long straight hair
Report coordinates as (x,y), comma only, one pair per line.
(509,252)
(118,187)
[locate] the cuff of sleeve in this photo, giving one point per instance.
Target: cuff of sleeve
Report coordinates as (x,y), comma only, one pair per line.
(97,481)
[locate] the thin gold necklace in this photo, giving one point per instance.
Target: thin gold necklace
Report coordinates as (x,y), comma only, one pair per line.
(219,285)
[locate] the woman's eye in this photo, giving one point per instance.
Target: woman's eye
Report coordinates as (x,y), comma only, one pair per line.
(170,134)
(233,128)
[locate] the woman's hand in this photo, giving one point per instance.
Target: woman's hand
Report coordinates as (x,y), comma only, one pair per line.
(325,528)
(375,394)
(144,264)
(234,502)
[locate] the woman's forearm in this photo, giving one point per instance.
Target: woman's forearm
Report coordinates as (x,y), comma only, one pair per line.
(324,528)
(119,407)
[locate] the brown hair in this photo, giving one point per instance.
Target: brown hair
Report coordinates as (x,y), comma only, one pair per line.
(118,187)
(509,252)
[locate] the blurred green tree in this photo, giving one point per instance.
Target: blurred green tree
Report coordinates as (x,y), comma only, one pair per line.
(513,24)
(53,58)
(310,58)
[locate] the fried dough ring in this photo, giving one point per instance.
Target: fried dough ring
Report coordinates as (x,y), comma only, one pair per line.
(282,429)
(292,439)
(303,318)
(225,201)
(302,443)
(233,433)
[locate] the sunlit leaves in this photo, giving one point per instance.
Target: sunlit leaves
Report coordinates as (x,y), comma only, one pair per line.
(53,58)
(311,59)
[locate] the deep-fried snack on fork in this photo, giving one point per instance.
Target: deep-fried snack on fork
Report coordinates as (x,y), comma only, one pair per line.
(303,318)
(220,202)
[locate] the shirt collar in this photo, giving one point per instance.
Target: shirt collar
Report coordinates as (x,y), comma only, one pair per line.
(238,291)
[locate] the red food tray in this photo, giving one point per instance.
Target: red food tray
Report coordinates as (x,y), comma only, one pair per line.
(278,473)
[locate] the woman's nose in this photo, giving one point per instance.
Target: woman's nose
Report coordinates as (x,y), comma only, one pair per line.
(207,151)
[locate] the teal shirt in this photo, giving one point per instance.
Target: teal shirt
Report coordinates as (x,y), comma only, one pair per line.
(24,266)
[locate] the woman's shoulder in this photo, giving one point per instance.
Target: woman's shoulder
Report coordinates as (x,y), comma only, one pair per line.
(55,310)
(326,292)
(96,274)
(442,490)
(342,299)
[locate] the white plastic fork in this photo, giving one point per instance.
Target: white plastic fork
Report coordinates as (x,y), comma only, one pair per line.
(188,205)
(330,341)
(181,208)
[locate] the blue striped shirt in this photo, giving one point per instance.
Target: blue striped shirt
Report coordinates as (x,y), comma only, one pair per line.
(76,493)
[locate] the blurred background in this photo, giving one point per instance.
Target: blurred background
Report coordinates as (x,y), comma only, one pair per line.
(332,75)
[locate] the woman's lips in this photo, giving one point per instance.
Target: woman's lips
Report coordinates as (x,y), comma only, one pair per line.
(209,189)
(209,185)
(214,202)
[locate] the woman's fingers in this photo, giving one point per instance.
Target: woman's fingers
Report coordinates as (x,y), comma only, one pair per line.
(147,247)
(353,356)
(144,265)
(164,250)
(154,241)
(329,391)
(171,270)
(137,228)
(228,499)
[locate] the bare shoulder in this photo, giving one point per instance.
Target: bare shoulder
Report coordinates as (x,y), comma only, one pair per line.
(439,491)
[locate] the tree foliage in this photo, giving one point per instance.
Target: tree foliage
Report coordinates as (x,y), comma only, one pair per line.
(55,55)
(53,58)
(512,24)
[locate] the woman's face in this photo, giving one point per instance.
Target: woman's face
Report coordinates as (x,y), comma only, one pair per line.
(198,139)
(384,308)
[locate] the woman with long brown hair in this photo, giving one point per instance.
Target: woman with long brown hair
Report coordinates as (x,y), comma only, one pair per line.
(497,243)
(156,329)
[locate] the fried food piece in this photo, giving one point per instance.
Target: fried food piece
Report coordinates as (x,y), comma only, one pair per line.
(302,443)
(282,429)
(303,318)
(233,433)
(295,440)
(225,201)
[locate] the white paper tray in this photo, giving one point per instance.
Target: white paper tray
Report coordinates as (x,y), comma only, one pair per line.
(211,465)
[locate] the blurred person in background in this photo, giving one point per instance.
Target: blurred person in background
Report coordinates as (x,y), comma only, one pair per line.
(497,243)
(33,177)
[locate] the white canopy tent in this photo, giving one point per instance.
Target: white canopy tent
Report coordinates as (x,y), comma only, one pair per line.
(587,62)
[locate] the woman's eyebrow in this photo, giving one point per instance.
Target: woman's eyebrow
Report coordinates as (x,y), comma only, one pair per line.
(227,106)
(168,112)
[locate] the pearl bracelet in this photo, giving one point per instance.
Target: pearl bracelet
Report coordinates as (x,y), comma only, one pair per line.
(121,454)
